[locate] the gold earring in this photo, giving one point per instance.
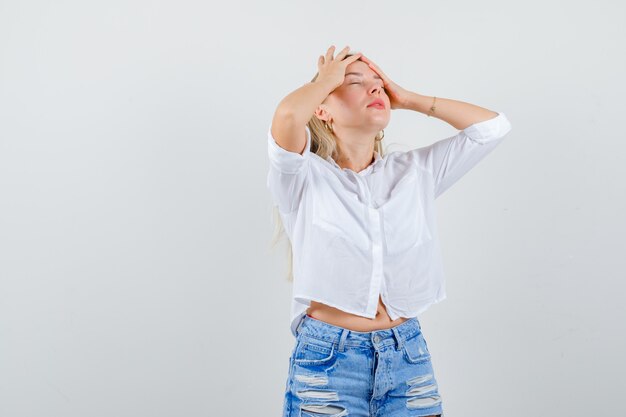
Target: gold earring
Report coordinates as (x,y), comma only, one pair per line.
(330,128)
(381,138)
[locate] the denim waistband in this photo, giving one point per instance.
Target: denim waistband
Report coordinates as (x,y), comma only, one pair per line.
(313,328)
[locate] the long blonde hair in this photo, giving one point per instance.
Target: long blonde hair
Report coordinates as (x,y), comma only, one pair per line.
(324,144)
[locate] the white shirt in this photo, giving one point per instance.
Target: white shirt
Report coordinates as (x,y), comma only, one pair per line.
(357,235)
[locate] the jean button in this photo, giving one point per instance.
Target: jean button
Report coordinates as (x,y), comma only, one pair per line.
(376,338)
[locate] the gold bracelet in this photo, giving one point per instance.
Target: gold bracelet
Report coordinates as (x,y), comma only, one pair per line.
(432,108)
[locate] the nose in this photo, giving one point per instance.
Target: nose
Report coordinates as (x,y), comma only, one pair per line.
(376,88)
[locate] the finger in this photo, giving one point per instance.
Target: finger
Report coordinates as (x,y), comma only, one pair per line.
(366,59)
(343,53)
(376,69)
(371,63)
(353,58)
(329,53)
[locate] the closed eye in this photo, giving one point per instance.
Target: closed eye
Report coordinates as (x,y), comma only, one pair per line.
(360,83)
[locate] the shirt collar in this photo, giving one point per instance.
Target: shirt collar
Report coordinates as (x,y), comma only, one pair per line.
(377,160)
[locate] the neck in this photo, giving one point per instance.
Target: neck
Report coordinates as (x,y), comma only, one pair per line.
(354,162)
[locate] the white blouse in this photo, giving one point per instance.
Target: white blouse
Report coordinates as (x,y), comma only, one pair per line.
(356,235)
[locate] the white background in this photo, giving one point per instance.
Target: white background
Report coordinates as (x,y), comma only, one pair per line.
(136,276)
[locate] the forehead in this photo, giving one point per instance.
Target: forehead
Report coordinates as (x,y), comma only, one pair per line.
(361,69)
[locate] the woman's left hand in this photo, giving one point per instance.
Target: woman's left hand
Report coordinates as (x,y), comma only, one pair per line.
(398,96)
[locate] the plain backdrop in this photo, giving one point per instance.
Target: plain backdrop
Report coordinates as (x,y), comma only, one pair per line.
(136,274)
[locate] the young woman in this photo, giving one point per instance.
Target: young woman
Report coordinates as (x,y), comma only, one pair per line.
(361,224)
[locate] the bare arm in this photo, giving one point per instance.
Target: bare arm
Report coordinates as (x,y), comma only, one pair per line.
(294,112)
(457,113)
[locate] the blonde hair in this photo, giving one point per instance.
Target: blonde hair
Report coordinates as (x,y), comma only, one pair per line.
(324,144)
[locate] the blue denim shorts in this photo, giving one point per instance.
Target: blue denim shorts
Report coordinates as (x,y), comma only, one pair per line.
(335,372)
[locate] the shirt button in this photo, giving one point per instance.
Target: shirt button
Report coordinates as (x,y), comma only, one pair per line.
(376,338)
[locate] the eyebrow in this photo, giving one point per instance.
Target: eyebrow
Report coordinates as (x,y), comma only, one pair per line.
(360,74)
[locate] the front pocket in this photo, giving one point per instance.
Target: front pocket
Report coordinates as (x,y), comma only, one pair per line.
(314,352)
(415,349)
(405,224)
(341,217)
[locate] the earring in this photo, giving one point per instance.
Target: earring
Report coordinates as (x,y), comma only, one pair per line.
(381,138)
(329,128)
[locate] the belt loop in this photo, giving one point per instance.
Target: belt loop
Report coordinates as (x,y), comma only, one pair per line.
(342,339)
(299,325)
(399,340)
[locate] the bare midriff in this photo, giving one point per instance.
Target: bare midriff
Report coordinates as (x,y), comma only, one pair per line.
(350,321)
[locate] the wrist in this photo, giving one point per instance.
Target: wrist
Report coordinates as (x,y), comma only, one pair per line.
(419,103)
(327,84)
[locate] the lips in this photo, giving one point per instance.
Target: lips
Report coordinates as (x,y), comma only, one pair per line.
(378,102)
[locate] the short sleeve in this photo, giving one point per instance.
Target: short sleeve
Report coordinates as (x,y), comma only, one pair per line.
(450,159)
(288,172)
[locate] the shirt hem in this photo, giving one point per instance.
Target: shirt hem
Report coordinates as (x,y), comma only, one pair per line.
(296,319)
(332,304)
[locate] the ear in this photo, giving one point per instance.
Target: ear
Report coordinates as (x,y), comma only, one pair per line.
(322,113)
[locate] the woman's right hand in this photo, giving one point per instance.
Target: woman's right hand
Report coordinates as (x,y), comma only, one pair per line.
(332,70)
